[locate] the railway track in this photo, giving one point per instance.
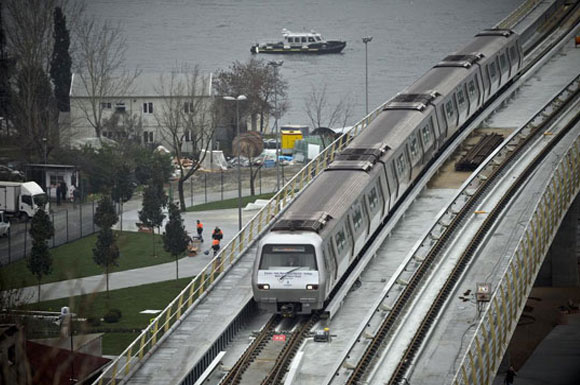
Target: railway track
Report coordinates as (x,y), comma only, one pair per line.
(270,357)
(400,306)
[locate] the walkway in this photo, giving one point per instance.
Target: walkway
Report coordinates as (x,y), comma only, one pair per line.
(226,219)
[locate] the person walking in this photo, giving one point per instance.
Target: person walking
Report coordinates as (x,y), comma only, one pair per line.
(217,234)
(509,376)
(199,230)
(215,245)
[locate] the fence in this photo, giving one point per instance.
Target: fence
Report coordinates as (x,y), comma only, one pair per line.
(145,344)
(490,341)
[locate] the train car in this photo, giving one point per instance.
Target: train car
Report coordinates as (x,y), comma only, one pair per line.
(313,244)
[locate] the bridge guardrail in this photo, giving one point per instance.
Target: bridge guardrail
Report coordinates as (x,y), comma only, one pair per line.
(137,351)
(483,355)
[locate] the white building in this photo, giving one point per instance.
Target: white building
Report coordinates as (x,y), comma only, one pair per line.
(150,97)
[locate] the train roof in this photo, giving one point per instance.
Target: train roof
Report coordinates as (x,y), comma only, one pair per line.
(333,192)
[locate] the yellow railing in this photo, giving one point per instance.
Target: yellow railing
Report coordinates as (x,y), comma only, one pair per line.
(524,8)
(490,341)
(137,351)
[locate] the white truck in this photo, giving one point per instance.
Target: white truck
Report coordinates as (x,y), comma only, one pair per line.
(22,199)
(4,225)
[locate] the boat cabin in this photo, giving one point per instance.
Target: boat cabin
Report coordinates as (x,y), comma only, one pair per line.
(301,38)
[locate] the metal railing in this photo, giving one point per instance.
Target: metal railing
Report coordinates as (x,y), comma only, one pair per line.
(498,322)
(129,360)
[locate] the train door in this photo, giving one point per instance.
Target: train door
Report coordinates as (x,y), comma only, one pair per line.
(462,105)
(403,170)
(329,255)
(343,249)
(374,206)
(514,60)
(428,139)
(504,68)
(451,115)
(359,225)
(493,76)
(392,187)
(473,94)
(415,153)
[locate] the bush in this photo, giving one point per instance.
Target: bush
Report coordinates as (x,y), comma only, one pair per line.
(94,321)
(113,315)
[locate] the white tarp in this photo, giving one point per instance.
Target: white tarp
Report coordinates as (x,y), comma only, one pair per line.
(213,161)
(313,150)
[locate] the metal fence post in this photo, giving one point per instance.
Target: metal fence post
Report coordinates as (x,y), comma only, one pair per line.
(81,219)
(191,190)
(9,245)
(205,186)
(260,179)
(25,237)
(93,215)
(54,233)
(66,226)
(222,184)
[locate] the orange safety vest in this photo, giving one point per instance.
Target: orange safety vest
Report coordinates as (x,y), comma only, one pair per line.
(200,225)
(215,242)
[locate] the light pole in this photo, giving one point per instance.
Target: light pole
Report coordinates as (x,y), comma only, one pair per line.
(44,140)
(276,64)
(237,100)
(367,40)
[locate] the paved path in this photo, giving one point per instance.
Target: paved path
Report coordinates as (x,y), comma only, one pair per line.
(227,220)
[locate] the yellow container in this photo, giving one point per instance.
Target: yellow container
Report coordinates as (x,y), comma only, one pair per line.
(288,139)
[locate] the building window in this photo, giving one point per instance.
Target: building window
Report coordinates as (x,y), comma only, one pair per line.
(147,136)
(148,108)
(105,105)
(120,108)
(188,107)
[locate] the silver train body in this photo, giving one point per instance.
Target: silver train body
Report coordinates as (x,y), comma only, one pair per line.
(306,252)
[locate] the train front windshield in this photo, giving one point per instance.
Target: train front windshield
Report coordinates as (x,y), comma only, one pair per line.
(283,257)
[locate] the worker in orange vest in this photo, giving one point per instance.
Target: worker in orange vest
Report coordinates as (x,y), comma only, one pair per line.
(199,230)
(217,234)
(215,245)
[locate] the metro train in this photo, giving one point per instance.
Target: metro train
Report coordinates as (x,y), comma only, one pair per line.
(311,246)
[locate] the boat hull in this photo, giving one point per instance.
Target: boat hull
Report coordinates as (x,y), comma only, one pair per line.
(314,48)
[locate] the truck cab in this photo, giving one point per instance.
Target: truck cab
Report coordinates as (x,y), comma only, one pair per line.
(22,199)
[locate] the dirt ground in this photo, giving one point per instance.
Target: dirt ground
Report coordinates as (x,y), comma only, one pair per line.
(447,177)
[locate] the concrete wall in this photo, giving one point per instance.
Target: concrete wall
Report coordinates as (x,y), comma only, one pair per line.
(560,268)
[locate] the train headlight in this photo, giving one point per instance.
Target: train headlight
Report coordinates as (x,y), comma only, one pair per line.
(311,287)
(263,286)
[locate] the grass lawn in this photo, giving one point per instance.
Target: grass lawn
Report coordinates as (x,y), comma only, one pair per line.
(75,259)
(229,203)
(130,301)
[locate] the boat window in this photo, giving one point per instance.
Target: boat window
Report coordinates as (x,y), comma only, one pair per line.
(304,40)
(318,38)
(471,88)
(290,40)
(311,40)
(460,98)
(449,109)
(502,62)
(276,256)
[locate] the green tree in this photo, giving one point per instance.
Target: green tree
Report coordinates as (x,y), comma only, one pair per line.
(151,214)
(60,64)
(106,252)
(105,215)
(40,261)
(175,239)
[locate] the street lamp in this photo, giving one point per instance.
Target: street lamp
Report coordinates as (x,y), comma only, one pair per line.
(366,40)
(238,99)
(276,64)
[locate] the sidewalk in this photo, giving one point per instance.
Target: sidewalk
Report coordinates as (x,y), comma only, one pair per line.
(226,219)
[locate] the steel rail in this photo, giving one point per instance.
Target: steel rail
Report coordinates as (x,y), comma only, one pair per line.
(400,304)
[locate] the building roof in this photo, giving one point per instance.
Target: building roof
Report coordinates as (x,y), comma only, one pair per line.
(149,84)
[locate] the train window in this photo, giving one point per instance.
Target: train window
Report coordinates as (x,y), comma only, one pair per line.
(373,198)
(340,239)
(426,131)
(401,165)
(330,259)
(449,109)
(502,62)
(492,70)
(357,218)
(413,146)
(471,88)
(513,53)
(276,256)
(460,98)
